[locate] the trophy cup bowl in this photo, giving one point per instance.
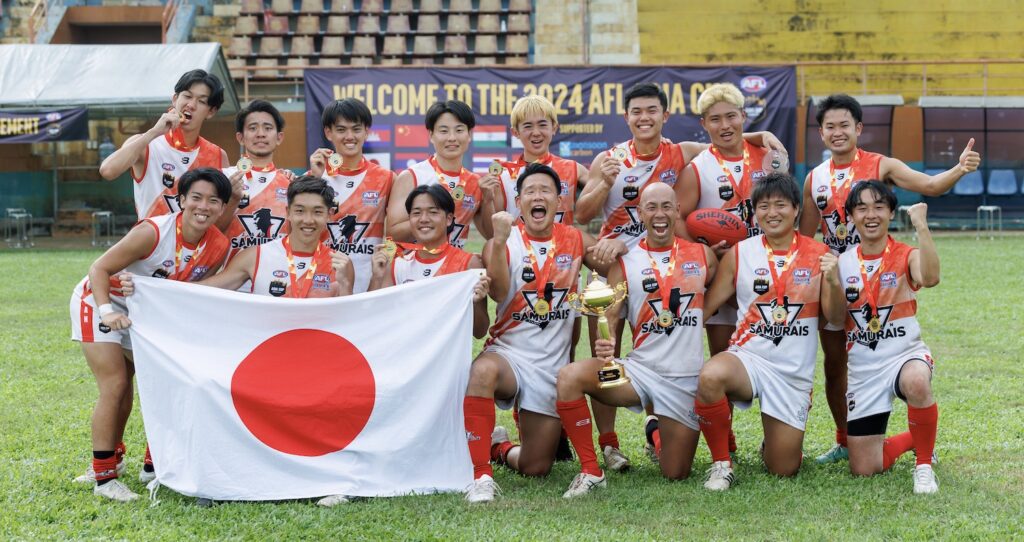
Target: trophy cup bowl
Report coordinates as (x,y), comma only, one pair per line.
(594,300)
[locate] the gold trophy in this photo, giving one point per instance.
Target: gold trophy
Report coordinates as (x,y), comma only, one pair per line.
(594,300)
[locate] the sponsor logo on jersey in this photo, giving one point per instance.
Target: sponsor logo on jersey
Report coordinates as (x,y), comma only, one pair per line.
(761,271)
(371,198)
(690,268)
(168,180)
(321,281)
(563,261)
(565,188)
(167,167)
(199,271)
(852,293)
(888,279)
(823,188)
(280,273)
(468,202)
(647,271)
(668,177)
(631,178)
(167,263)
(802,275)
(753,83)
(768,329)
(281,194)
(104,328)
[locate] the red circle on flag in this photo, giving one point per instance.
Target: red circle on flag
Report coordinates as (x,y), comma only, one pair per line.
(304,392)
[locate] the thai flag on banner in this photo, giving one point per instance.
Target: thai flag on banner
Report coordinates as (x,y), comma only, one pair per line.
(482,161)
(490,136)
(247,397)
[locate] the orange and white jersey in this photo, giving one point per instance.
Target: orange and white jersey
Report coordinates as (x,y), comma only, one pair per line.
(865,167)
(428,172)
(568,176)
(156,189)
(718,189)
(358,226)
(411,267)
(676,350)
(163,260)
(790,346)
(262,215)
(897,309)
(542,341)
(621,220)
(271,275)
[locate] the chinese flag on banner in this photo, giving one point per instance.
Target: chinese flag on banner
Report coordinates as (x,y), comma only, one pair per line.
(411,135)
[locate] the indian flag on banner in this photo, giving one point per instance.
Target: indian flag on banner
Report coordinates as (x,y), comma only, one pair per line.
(490,136)
(482,161)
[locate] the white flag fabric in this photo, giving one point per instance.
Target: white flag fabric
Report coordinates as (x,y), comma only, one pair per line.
(248,397)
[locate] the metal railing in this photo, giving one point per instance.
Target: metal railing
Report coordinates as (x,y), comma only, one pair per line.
(37,19)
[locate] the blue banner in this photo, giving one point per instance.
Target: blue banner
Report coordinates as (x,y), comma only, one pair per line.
(44,125)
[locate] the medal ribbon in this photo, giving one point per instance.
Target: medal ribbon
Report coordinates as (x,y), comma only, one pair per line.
(179,243)
(743,188)
(779,278)
(872,287)
(300,287)
(461,180)
(664,287)
(268,168)
(839,194)
(416,246)
(539,276)
(514,168)
(332,171)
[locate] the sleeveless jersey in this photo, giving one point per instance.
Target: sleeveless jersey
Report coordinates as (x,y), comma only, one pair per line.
(426,173)
(271,276)
(677,350)
(897,309)
(156,189)
(160,262)
(867,167)
(411,266)
(261,218)
(568,175)
(358,226)
(621,220)
(540,340)
(790,347)
(717,192)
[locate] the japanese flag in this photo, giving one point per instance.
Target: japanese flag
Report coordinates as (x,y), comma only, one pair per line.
(248,397)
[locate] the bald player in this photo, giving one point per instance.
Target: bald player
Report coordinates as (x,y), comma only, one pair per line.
(825,191)
(665,276)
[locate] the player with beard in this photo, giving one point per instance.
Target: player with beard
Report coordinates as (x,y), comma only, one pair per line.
(783,283)
(534,263)
(825,191)
(887,356)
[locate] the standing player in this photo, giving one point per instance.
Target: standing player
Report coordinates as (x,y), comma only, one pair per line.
(665,277)
(363,187)
(450,125)
(288,266)
(431,212)
(887,356)
(183,246)
(534,264)
(159,157)
(783,282)
(825,192)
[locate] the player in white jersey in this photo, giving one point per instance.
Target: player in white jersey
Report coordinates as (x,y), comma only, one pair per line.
(450,125)
(825,192)
(887,357)
(181,246)
(534,264)
(783,282)
(297,265)
(665,277)
(158,157)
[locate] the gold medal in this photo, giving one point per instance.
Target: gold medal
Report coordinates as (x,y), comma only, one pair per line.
(334,161)
(665,318)
(874,324)
(495,168)
(390,248)
(779,315)
(841,231)
(620,154)
(541,307)
(459,193)
(244,164)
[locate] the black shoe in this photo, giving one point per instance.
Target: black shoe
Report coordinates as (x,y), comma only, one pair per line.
(203,502)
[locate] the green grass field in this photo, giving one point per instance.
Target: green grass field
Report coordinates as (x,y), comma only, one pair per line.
(972,321)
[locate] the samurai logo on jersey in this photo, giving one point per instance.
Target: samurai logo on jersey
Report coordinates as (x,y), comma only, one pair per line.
(558,312)
(453,236)
(768,329)
(682,303)
(347,235)
(834,242)
(635,228)
(863,336)
(172,203)
(260,227)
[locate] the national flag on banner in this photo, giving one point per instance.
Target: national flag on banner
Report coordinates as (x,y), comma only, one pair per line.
(379,134)
(405,160)
(382,159)
(248,397)
(490,136)
(411,135)
(482,161)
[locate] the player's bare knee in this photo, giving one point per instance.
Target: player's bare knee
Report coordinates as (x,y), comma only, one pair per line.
(784,467)
(711,382)
(863,468)
(483,375)
(915,383)
(675,472)
(536,469)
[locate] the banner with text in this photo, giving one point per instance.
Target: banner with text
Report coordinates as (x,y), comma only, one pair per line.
(588,102)
(42,126)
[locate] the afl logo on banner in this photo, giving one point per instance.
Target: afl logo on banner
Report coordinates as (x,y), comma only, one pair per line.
(753,83)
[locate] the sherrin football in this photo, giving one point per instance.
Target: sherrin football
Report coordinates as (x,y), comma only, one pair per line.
(710,226)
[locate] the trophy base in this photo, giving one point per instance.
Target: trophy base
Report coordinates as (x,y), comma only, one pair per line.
(612,375)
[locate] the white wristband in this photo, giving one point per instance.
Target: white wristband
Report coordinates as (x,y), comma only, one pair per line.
(105,309)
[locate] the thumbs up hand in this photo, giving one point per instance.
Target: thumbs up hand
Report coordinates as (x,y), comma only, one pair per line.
(969,159)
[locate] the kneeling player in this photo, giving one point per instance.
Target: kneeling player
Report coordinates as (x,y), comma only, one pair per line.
(782,282)
(287,267)
(183,246)
(533,264)
(665,277)
(887,357)
(431,212)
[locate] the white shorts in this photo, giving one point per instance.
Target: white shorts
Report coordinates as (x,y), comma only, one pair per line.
(780,397)
(87,327)
(868,394)
(726,316)
(535,387)
(669,396)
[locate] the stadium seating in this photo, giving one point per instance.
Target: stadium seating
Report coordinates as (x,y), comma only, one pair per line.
(1002,182)
(971,184)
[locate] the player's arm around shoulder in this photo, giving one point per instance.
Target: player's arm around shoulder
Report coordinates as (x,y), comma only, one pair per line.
(397,221)
(723,285)
(240,269)
(601,254)
(810,217)
(924,261)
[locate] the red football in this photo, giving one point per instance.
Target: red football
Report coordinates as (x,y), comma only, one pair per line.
(709,226)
